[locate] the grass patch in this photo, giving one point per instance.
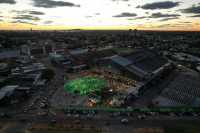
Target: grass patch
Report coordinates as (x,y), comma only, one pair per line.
(181,129)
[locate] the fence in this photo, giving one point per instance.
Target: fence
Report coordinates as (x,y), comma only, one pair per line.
(90,108)
(170,110)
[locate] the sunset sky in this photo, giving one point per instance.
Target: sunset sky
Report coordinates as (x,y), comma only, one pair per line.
(99,14)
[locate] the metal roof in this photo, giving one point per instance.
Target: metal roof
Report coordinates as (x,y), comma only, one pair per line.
(162,101)
(7,89)
(177,96)
(136,70)
(121,60)
(8,54)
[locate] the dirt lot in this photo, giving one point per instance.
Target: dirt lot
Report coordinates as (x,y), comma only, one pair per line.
(65,127)
(147,130)
(1,125)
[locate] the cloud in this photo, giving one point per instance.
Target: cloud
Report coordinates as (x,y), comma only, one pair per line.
(8,1)
(0,12)
(99,21)
(36,12)
(194,16)
(52,4)
(129,4)
(27,17)
(196,23)
(48,22)
(29,11)
(126,14)
(160,15)
(166,19)
(136,18)
(88,16)
(182,25)
(193,9)
(137,6)
(1,20)
(160,5)
(163,26)
(1,16)
(147,13)
(55,17)
(97,14)
(22,22)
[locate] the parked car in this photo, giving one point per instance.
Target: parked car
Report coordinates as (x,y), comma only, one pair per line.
(23,119)
(139,116)
(148,113)
(128,114)
(143,116)
(68,115)
(25,110)
(111,115)
(53,113)
(77,115)
(89,115)
(53,121)
(106,123)
(124,120)
(77,121)
(33,107)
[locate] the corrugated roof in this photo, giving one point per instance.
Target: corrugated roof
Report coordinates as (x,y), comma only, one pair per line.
(121,60)
(136,71)
(8,54)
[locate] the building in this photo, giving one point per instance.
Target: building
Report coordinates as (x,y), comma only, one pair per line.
(130,31)
(135,31)
(7,90)
(37,50)
(90,56)
(138,65)
(10,54)
(183,91)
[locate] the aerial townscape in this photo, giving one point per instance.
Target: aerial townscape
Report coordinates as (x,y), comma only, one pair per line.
(98,78)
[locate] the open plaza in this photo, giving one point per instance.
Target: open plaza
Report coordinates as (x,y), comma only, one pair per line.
(88,88)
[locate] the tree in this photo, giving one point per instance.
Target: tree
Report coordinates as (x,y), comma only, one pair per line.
(47,74)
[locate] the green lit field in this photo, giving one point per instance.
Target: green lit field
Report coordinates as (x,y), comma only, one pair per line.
(84,85)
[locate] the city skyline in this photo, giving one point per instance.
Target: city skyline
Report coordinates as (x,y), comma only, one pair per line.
(99,15)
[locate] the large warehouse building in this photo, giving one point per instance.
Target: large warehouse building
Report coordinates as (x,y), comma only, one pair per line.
(183,91)
(138,65)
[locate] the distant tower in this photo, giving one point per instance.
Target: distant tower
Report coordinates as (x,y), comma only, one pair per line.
(135,30)
(130,31)
(31,29)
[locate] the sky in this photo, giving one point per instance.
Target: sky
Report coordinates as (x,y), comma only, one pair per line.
(100,15)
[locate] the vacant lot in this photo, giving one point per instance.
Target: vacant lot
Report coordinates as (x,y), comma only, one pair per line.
(65,127)
(1,125)
(147,129)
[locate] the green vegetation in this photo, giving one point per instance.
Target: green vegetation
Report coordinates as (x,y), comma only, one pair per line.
(47,74)
(181,129)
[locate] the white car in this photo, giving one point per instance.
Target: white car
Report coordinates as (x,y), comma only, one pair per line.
(139,116)
(89,115)
(53,113)
(77,115)
(124,120)
(41,93)
(68,115)
(25,110)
